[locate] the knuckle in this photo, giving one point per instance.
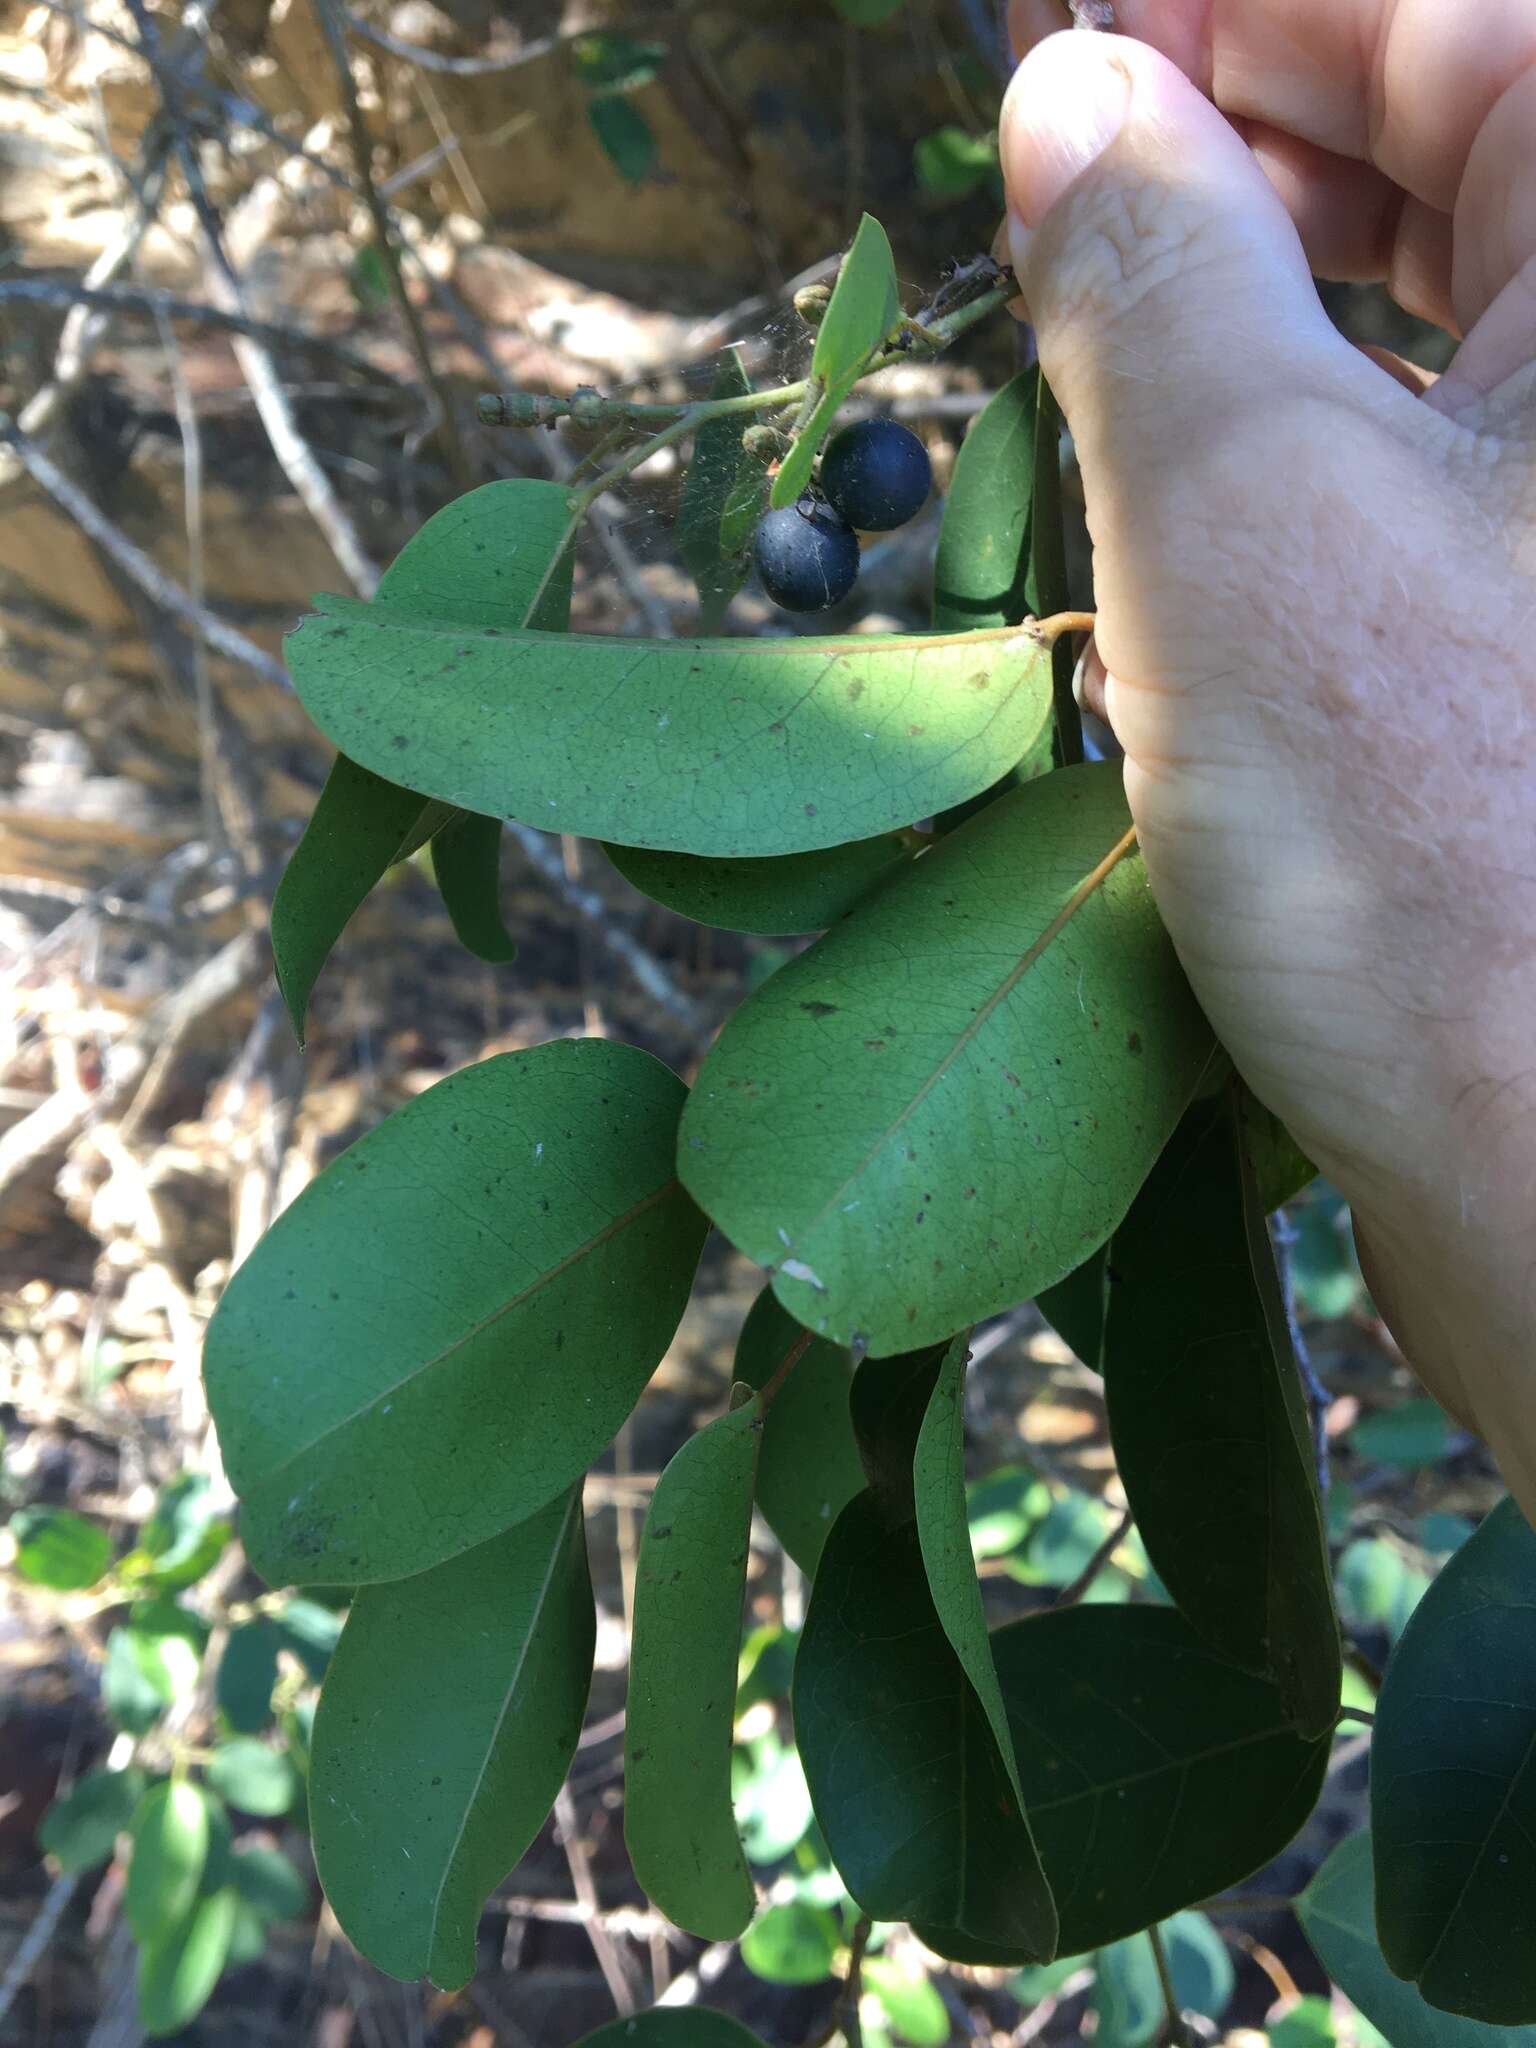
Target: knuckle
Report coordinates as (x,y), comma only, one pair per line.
(1119,246)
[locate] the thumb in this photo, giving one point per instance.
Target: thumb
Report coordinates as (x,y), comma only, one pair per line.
(1165,278)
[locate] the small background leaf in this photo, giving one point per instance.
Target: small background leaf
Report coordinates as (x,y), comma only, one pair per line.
(247,1674)
(689,1590)
(170,1831)
(627,137)
(177,1972)
(81,1827)
(981,568)
(466,865)
(791,1944)
(253,1778)
(59,1549)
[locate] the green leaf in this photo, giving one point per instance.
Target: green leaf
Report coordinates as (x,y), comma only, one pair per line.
(1064,1542)
(790,892)
(980,569)
(247,1674)
(938,1482)
(1453,1783)
(374,1424)
(951,162)
(1076,1308)
(674,2026)
(909,2001)
(253,1778)
(862,310)
(948,1101)
(483,560)
(791,1944)
(794,472)
(152,1662)
(718,473)
(309,1631)
(1338,1917)
(80,1829)
(1128,1993)
(186,1535)
(170,1832)
(1281,1170)
(627,138)
(808,1467)
(59,1549)
(1324,1266)
(1308,2025)
(1004,1508)
(1155,1773)
(689,1590)
(1412,1435)
(368,274)
(446,1725)
(466,865)
(908,1784)
(608,61)
(770,1796)
(248,1936)
(1378,1587)
(1208,1421)
(269,1883)
(725,747)
(177,1971)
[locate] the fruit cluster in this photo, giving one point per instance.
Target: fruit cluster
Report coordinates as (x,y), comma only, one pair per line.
(874,477)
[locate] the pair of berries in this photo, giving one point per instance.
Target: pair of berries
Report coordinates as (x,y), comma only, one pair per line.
(874,477)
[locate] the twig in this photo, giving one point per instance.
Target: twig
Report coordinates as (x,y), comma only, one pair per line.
(152,303)
(646,970)
(293,452)
(845,2012)
(1282,1234)
(134,563)
(362,152)
(1178,2033)
(36,1939)
(192,502)
(1032,2028)
(609,1961)
(1070,1595)
(455,67)
(786,1366)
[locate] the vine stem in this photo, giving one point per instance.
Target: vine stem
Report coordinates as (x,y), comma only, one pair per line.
(786,1366)
(1178,2033)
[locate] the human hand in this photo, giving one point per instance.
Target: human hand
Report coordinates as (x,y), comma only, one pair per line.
(1316,588)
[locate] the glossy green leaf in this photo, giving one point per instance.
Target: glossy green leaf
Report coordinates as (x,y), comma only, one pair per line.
(938,1482)
(81,1827)
(725,747)
(948,1101)
(808,1467)
(448,1719)
(794,472)
(247,1674)
(1338,1917)
(466,865)
(59,1549)
(1155,1773)
(717,474)
(178,1970)
(628,139)
(252,1777)
(390,1369)
(1208,1421)
(791,1944)
(689,1591)
(1128,1993)
(170,1832)
(484,560)
(862,310)
(790,892)
(980,569)
(674,2026)
(909,2001)
(269,1883)
(1453,1783)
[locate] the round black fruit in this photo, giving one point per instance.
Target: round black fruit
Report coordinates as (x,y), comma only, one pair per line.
(807,556)
(877,474)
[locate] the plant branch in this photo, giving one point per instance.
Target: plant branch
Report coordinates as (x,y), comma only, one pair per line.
(362,153)
(845,2013)
(1069,1596)
(1178,2033)
(786,1366)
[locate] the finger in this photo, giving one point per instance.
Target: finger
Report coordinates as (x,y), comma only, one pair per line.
(1440,98)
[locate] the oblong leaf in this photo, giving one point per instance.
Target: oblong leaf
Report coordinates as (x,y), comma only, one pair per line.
(177,1971)
(949,1100)
(1207,1418)
(447,1721)
(1453,1783)
(1338,1916)
(792,892)
(466,865)
(982,562)
(722,747)
(81,1828)
(59,1549)
(863,307)
(1155,1772)
(253,1778)
(808,1467)
(170,1833)
(943,1528)
(247,1674)
(689,1590)
(390,1369)
(269,1883)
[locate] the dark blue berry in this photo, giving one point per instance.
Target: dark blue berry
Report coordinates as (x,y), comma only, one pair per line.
(877,474)
(807,556)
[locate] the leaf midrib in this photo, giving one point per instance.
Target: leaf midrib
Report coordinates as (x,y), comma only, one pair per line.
(486,1322)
